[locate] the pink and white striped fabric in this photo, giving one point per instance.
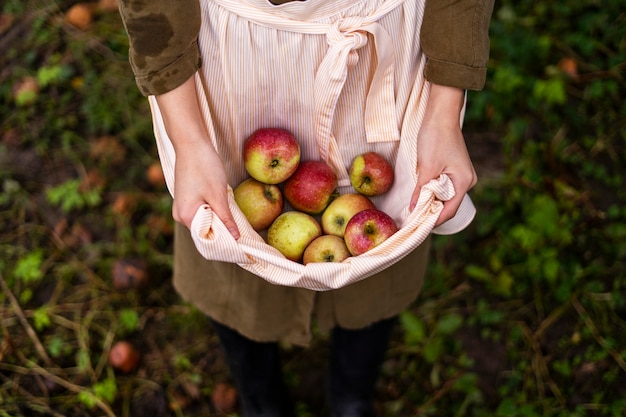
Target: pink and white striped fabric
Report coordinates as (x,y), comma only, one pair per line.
(345,77)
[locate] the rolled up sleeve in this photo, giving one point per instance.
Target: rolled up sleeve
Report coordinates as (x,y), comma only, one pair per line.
(163,42)
(455,38)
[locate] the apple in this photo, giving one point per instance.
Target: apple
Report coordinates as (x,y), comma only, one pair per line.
(224,397)
(124,357)
(326,248)
(292,232)
(368,229)
(311,187)
(271,155)
(260,203)
(340,211)
(130,273)
(371,174)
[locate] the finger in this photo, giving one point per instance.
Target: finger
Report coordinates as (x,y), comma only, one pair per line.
(414,198)
(424,178)
(222,210)
(450,208)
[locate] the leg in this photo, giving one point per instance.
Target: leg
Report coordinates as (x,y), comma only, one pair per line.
(355,360)
(256,370)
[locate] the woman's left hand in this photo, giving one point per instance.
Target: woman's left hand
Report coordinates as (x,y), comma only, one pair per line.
(441,148)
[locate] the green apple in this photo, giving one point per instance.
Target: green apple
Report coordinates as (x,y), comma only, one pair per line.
(260,203)
(371,174)
(340,211)
(292,232)
(271,155)
(326,248)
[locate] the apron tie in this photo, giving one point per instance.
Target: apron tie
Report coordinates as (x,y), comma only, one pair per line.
(344,38)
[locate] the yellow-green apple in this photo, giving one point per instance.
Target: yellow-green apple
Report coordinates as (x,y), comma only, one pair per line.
(371,174)
(271,155)
(292,232)
(368,229)
(340,211)
(326,248)
(311,188)
(261,203)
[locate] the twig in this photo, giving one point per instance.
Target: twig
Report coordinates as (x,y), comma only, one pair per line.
(20,314)
(596,333)
(35,403)
(540,368)
(551,319)
(38,370)
(447,386)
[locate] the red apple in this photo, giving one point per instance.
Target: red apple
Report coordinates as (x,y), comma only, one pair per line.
(260,203)
(326,248)
(271,155)
(130,273)
(368,229)
(311,188)
(371,174)
(124,356)
(340,211)
(292,232)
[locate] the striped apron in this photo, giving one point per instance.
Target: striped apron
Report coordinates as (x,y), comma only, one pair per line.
(345,77)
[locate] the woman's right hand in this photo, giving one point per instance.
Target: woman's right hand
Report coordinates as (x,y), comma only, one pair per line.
(200,178)
(200,174)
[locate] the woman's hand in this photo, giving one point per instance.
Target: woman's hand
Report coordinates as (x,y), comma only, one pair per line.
(441,148)
(200,175)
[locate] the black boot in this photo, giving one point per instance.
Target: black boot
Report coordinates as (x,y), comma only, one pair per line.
(257,372)
(355,360)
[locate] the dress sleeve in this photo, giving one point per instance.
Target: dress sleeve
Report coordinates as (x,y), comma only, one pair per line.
(163,42)
(455,38)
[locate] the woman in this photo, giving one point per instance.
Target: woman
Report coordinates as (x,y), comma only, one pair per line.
(365,75)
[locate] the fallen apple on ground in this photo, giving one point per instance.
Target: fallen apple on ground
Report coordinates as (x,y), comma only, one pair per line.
(260,203)
(326,248)
(271,155)
(292,232)
(340,211)
(124,357)
(311,187)
(368,229)
(371,174)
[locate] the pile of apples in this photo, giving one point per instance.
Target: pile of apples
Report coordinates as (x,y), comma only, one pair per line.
(322,226)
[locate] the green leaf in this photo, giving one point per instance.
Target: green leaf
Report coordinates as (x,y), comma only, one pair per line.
(41,318)
(449,323)
(479,273)
(550,91)
(106,390)
(88,398)
(69,196)
(543,216)
(82,359)
(182,362)
(129,321)
(433,349)
(55,346)
(28,268)
(414,329)
(503,283)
